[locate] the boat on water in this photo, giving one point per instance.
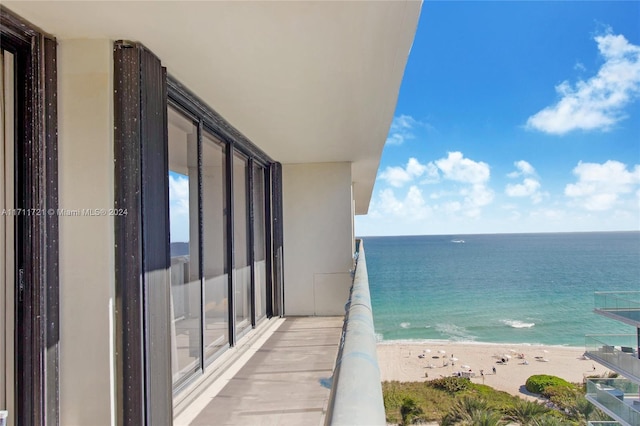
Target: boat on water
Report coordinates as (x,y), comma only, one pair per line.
(458,241)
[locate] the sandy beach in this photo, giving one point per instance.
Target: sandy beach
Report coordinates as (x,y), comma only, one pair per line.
(411,361)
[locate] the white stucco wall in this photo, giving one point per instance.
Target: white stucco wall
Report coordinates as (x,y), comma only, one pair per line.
(85,100)
(318,235)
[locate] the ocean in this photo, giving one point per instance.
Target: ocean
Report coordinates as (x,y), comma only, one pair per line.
(502,288)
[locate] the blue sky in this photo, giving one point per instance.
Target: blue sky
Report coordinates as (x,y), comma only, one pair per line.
(514,117)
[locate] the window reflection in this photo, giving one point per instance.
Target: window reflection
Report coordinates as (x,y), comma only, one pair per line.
(200,309)
(183,221)
(216,278)
(242,270)
(259,265)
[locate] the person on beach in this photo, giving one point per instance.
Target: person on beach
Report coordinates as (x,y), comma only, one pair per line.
(494,370)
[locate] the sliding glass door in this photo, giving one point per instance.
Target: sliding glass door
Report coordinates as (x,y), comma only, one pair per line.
(259,242)
(186,306)
(214,234)
(242,267)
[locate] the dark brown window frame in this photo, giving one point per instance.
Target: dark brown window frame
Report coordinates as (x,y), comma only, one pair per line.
(190,105)
(37,275)
(142,93)
(143,362)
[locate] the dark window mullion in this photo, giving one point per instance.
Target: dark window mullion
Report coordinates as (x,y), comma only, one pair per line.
(250,230)
(230,244)
(201,245)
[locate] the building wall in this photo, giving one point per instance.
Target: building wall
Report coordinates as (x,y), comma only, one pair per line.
(85,99)
(318,237)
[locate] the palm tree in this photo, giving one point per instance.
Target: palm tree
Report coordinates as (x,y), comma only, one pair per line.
(486,418)
(583,410)
(548,420)
(523,411)
(409,411)
(469,411)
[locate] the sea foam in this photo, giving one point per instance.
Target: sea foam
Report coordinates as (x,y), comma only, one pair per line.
(518,324)
(455,332)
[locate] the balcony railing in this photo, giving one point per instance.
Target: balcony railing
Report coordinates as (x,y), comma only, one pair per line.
(619,305)
(616,397)
(356,394)
(599,423)
(618,352)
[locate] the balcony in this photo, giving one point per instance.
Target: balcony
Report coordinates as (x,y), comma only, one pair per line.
(618,352)
(621,306)
(616,397)
(283,375)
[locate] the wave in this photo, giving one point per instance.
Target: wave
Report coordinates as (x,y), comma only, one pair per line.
(455,332)
(518,324)
(379,337)
(405,324)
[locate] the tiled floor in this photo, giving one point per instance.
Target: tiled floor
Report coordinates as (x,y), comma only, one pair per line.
(286,382)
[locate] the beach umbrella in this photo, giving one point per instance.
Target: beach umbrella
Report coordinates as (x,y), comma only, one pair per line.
(465,366)
(507,356)
(441,351)
(454,359)
(513,351)
(426,351)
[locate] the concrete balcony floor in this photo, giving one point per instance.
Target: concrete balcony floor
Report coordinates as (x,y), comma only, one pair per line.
(285,381)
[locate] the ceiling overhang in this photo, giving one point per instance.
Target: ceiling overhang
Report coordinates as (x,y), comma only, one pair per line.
(306,81)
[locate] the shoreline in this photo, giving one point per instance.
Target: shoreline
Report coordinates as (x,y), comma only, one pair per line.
(431,359)
(470,343)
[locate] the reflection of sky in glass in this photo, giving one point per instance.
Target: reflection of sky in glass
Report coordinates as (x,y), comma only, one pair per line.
(178,207)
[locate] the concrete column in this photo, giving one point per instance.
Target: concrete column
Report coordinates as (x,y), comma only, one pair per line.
(318,229)
(87,289)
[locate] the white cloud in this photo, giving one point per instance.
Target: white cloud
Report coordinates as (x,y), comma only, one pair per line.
(179,194)
(456,167)
(595,104)
(399,176)
(579,66)
(524,169)
(474,175)
(401,129)
(463,188)
(412,207)
(525,189)
(179,207)
(530,186)
(600,186)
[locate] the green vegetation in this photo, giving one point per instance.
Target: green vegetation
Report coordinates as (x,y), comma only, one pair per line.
(537,383)
(458,401)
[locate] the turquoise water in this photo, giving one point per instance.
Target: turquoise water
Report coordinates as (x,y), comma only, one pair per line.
(503,288)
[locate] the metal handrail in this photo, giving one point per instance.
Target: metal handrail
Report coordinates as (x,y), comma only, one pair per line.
(356,392)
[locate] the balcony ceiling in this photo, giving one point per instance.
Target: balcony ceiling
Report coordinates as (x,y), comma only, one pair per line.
(309,81)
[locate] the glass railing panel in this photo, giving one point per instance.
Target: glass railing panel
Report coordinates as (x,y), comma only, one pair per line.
(619,350)
(619,396)
(623,303)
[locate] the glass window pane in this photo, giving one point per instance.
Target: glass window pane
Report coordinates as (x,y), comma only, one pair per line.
(259,265)
(242,270)
(183,221)
(216,278)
